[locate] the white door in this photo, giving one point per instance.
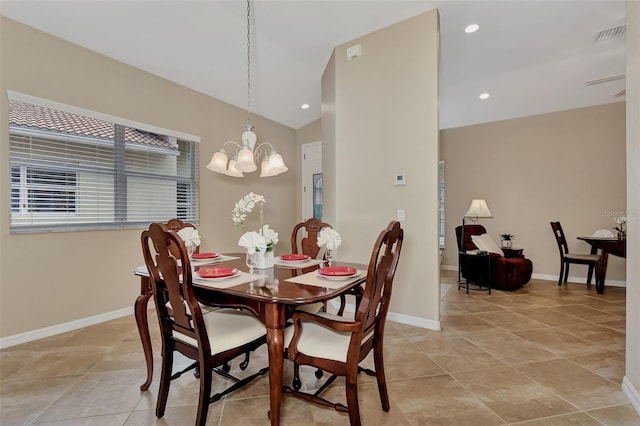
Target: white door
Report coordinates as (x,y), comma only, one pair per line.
(312,180)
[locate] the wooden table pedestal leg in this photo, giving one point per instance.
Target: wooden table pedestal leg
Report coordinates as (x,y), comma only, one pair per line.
(274,321)
(140,311)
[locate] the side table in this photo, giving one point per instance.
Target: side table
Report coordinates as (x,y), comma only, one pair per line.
(512,252)
(480,264)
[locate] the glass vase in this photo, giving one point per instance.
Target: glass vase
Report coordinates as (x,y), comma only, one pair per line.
(264,260)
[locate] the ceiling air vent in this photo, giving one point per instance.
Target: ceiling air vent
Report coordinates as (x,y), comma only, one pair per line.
(612,32)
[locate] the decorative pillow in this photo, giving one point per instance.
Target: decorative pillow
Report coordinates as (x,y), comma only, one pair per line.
(484,242)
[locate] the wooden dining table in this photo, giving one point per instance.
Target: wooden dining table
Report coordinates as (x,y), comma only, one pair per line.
(272,299)
(614,246)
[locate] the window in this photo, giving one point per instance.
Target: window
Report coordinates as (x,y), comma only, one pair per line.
(317,195)
(73,170)
(43,190)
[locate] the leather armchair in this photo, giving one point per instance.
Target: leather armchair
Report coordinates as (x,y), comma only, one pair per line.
(508,272)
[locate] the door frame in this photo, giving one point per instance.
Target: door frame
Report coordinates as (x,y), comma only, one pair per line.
(303,175)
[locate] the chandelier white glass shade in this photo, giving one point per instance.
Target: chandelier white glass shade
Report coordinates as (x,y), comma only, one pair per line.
(246,156)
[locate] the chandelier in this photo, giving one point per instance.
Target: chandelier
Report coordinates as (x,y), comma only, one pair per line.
(245,156)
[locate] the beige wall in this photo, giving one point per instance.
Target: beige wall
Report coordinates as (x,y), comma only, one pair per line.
(52,278)
(631,383)
(567,166)
(380,118)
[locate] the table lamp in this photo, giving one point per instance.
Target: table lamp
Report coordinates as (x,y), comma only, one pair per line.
(477,209)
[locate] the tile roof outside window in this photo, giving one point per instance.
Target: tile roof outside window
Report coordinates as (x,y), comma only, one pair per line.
(29,116)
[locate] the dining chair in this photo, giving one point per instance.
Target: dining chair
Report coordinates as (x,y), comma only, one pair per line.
(338,345)
(210,340)
(308,244)
(176,224)
(567,258)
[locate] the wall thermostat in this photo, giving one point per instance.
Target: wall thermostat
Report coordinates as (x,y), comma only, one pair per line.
(399,179)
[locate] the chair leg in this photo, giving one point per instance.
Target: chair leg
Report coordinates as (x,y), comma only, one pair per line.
(561,274)
(245,363)
(352,399)
(589,275)
(165,381)
(343,304)
(566,273)
(380,377)
(203,397)
(297,383)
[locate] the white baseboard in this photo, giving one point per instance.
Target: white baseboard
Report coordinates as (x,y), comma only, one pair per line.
(405,319)
(579,280)
(415,321)
(632,393)
(551,277)
(29,336)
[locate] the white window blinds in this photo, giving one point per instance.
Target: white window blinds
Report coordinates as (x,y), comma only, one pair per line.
(70,171)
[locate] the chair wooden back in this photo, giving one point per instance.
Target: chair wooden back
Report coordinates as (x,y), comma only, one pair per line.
(372,311)
(178,310)
(560,238)
(309,244)
(176,224)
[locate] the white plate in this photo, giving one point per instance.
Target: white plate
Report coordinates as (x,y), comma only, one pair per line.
(196,276)
(340,277)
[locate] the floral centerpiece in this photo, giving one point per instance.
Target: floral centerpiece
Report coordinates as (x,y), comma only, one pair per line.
(621,221)
(191,238)
(331,239)
(259,245)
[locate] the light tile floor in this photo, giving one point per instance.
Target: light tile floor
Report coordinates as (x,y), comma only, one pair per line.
(541,355)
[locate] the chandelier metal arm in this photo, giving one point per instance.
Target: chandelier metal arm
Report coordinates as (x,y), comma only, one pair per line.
(246,155)
(237,145)
(261,150)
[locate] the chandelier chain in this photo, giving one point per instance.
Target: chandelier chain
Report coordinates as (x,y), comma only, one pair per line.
(248,62)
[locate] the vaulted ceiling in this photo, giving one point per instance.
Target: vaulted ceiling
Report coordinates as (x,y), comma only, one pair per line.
(530,56)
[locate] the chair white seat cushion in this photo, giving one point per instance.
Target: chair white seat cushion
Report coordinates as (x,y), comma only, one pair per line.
(319,341)
(311,307)
(584,257)
(228,329)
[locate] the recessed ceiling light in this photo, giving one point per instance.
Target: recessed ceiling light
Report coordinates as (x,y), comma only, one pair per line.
(472,28)
(304,106)
(484,96)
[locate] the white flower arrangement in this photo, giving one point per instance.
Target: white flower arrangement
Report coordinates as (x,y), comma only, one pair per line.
(270,235)
(252,241)
(265,238)
(191,238)
(246,205)
(329,237)
(621,221)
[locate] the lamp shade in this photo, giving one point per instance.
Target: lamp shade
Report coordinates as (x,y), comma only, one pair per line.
(276,163)
(478,208)
(218,162)
(246,161)
(266,170)
(232,171)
